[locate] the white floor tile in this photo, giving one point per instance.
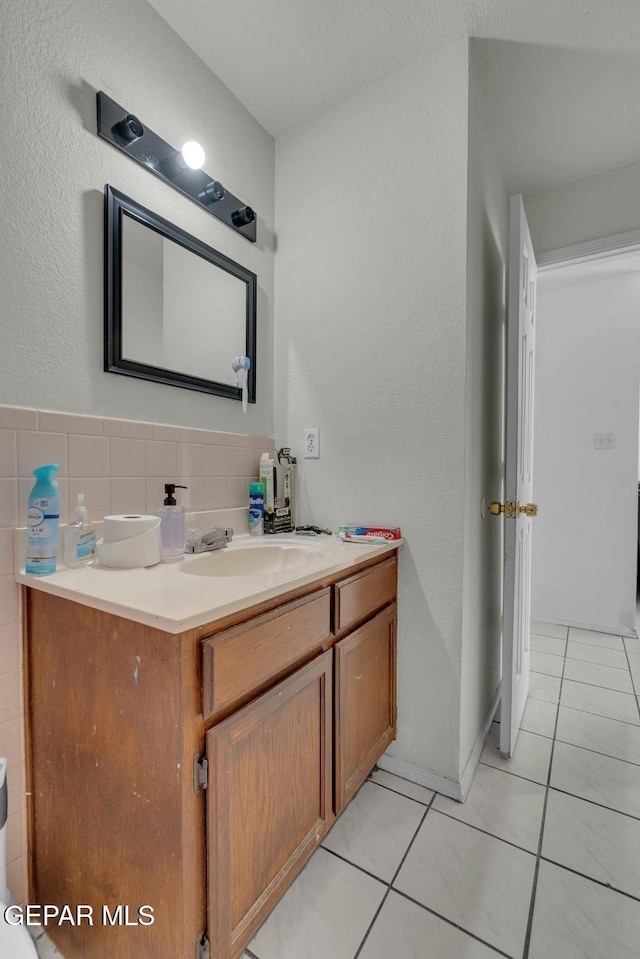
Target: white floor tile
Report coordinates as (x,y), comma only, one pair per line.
(548,629)
(539,717)
(505,806)
(600,779)
(530,759)
(547,644)
(575,918)
(594,638)
(603,735)
(544,687)
(634,663)
(606,676)
(477,881)
(326,912)
(412,790)
(546,663)
(408,931)
(597,654)
(602,702)
(375,830)
(631,644)
(597,842)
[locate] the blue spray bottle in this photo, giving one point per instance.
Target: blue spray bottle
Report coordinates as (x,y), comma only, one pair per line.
(43,522)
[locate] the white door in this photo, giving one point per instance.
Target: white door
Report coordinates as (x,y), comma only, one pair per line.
(521,307)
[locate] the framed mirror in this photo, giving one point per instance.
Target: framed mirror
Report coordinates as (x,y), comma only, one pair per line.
(176,310)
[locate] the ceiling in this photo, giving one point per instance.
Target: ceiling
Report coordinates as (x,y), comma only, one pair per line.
(561,76)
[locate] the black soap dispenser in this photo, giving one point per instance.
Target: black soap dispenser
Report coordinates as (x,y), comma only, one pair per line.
(172,533)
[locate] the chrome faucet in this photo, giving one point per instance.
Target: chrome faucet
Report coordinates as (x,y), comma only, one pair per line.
(216,538)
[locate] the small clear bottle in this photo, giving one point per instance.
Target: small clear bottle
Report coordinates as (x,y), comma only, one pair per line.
(172,530)
(79,539)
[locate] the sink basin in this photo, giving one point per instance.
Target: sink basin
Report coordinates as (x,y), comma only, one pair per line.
(252,559)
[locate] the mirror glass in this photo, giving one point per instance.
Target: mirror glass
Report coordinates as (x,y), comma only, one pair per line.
(178,311)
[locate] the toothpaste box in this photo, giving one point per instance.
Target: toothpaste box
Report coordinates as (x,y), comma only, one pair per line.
(386,532)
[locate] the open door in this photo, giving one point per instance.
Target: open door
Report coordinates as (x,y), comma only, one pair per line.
(518,509)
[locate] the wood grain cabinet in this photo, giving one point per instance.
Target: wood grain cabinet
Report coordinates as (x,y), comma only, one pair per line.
(195,773)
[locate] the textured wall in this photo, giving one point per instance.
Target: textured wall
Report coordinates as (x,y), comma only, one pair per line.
(52,174)
(587,209)
(487,247)
(370,347)
(587,381)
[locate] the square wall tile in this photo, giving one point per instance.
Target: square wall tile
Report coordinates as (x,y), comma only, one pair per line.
(8,502)
(96,497)
(235,462)
(213,460)
(189,459)
(173,434)
(11,742)
(69,423)
(9,648)
(18,418)
(38,449)
(127,457)
(8,453)
(129,429)
(237,492)
(88,456)
(214,492)
(9,696)
(8,600)
(161,460)
(7,563)
(128,495)
(191,497)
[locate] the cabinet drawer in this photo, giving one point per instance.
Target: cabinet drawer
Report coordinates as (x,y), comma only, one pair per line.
(364,593)
(244,660)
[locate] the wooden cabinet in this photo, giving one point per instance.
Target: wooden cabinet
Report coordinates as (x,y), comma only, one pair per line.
(292,702)
(365,702)
(269,801)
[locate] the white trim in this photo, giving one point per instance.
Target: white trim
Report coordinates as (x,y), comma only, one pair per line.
(599,249)
(474,758)
(446,787)
(594,627)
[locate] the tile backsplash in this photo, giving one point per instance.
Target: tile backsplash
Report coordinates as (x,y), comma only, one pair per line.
(121,466)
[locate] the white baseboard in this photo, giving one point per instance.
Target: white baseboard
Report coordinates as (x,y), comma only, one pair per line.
(446,787)
(610,630)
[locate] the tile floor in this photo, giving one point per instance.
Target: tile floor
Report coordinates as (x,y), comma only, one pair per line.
(542,861)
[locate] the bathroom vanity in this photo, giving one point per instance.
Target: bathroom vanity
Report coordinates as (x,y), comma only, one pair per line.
(192,768)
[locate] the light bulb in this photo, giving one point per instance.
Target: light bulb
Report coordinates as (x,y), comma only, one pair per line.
(193,154)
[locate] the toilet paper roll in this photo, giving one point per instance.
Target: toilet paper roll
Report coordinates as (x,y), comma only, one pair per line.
(135,551)
(126,526)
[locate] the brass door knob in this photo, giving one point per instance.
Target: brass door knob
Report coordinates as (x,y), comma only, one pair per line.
(508,508)
(529,509)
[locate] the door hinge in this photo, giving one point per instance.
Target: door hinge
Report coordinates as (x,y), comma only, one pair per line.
(200,773)
(202,947)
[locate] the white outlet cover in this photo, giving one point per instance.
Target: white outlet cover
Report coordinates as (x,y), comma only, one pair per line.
(311,443)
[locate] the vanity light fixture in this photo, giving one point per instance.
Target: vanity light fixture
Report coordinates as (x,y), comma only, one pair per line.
(181,169)
(193,155)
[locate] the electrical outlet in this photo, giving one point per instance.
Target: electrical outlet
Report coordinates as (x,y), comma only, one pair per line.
(311,444)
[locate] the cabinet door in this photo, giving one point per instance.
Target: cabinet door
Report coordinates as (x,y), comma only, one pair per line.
(268,801)
(365,697)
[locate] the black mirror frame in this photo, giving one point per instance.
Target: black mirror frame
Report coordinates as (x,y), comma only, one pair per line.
(116,205)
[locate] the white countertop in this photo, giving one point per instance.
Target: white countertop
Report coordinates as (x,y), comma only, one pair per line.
(166,597)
